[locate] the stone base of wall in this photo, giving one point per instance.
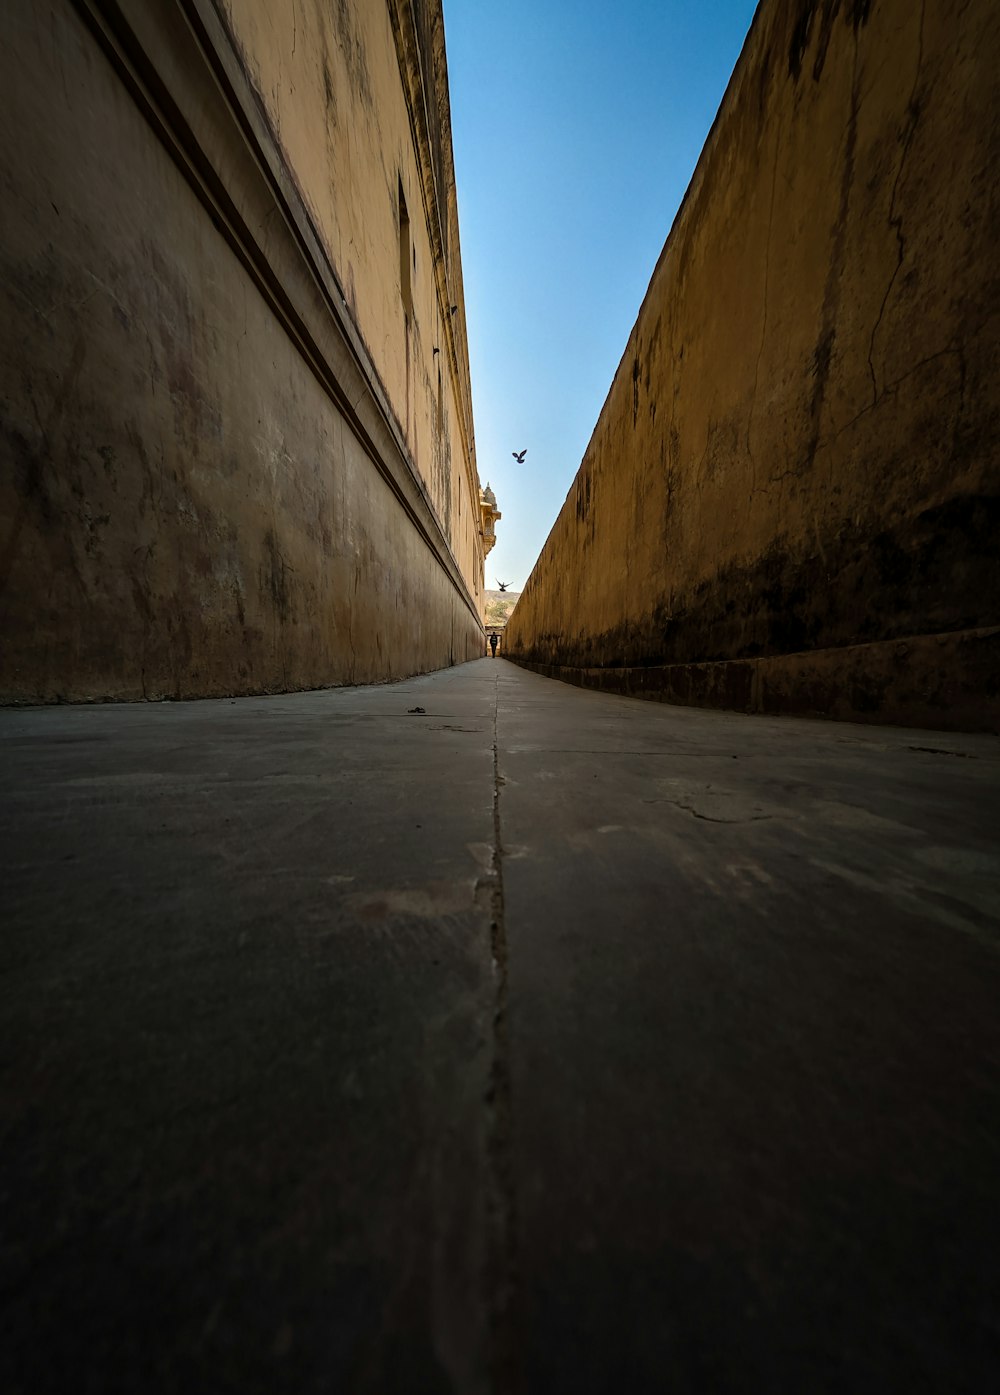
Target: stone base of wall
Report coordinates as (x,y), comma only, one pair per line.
(950,682)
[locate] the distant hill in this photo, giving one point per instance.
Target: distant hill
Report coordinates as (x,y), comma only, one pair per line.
(499,605)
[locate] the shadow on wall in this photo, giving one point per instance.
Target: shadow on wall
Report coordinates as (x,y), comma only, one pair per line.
(215,483)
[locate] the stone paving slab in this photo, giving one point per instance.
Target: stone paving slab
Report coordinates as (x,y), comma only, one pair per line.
(754,1048)
(247,1011)
(540,1041)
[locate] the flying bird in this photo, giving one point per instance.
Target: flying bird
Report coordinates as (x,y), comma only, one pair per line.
(502,584)
(519,455)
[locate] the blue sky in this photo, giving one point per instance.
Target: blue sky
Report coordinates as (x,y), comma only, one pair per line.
(577,126)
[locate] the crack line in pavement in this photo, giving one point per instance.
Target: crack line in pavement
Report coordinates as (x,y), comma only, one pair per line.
(502,1272)
(709,818)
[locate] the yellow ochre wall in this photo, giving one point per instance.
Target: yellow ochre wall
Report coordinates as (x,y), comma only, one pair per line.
(790,500)
(231,462)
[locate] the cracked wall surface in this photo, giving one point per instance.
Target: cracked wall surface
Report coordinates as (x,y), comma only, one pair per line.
(791,499)
(233,459)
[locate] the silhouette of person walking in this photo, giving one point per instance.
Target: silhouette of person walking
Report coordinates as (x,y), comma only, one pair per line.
(493,644)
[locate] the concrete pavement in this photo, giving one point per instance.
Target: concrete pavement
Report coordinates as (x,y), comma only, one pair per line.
(540,1040)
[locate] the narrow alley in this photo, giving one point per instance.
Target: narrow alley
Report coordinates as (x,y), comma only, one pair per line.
(479,1033)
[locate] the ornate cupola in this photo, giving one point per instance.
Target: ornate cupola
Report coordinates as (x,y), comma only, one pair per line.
(489,513)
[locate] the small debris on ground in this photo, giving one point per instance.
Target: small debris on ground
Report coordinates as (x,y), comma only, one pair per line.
(416,709)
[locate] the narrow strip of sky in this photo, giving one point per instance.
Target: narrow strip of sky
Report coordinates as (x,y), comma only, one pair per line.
(577,126)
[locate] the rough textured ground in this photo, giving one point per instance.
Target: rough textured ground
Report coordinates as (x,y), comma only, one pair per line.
(539,1040)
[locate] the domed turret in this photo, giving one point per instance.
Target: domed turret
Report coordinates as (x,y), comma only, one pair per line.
(489,513)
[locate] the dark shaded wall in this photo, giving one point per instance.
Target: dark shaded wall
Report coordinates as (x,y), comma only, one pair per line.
(790,500)
(230,460)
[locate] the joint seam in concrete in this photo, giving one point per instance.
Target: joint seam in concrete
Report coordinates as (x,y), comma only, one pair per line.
(502,1211)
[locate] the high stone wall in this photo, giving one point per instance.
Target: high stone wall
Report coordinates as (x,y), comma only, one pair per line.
(229,459)
(791,500)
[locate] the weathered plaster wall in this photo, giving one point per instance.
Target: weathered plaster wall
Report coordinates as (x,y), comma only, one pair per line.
(218,472)
(328,76)
(790,500)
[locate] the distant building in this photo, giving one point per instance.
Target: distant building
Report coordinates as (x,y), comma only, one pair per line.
(490,514)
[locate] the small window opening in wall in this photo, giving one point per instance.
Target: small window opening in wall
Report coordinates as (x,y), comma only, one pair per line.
(406,255)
